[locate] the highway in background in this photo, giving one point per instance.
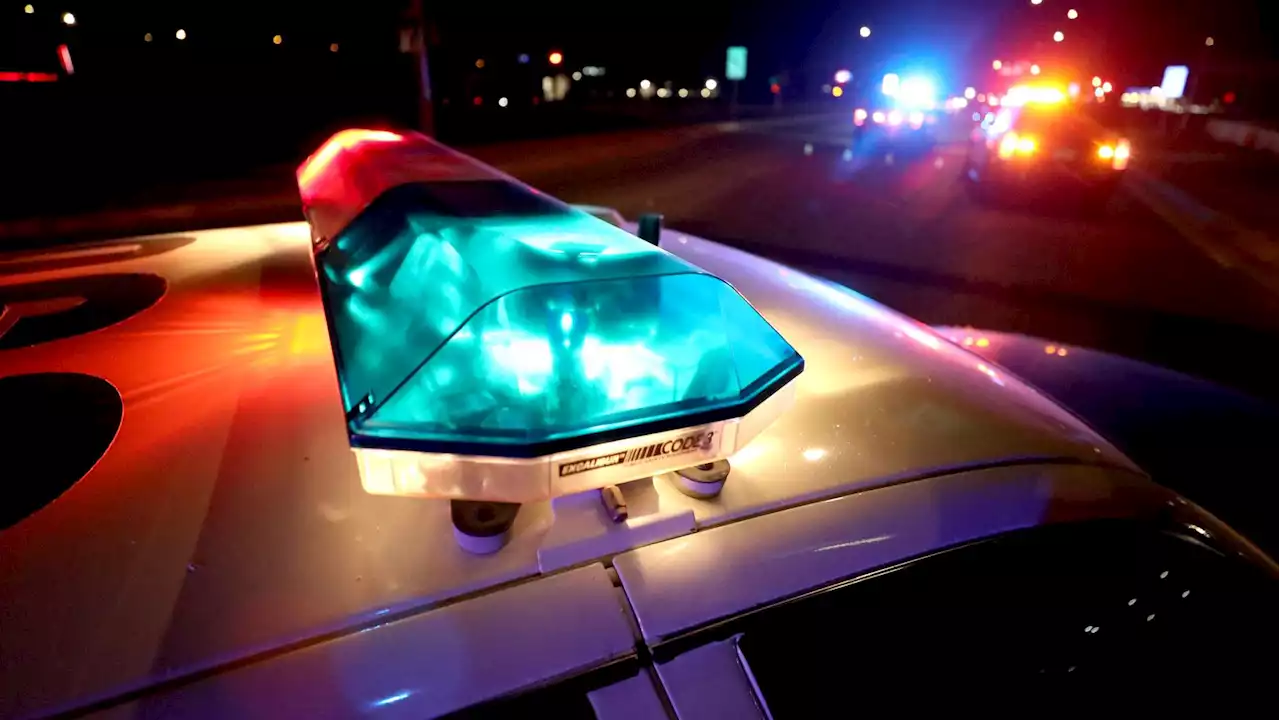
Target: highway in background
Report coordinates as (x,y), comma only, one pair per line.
(902,230)
(897,227)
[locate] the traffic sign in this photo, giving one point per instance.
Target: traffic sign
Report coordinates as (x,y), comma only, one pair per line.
(735,64)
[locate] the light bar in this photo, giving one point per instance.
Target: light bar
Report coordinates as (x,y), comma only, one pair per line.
(1034,94)
(493,343)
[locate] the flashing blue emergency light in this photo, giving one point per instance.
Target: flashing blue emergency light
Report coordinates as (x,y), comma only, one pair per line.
(889,84)
(516,339)
(917,92)
(912,92)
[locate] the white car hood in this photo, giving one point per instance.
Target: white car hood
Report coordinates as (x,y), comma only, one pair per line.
(227,518)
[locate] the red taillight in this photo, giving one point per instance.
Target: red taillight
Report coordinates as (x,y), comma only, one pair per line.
(1013,144)
(64,54)
(28,77)
(1121,159)
(1117,155)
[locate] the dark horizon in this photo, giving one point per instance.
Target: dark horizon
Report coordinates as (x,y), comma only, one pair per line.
(1134,38)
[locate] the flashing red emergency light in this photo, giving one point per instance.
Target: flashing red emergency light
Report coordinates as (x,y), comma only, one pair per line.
(9,76)
(337,181)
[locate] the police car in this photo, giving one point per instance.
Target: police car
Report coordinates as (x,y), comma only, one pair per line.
(454,448)
(1038,139)
(902,110)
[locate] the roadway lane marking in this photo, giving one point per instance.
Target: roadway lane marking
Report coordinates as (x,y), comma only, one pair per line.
(1179,223)
(1217,236)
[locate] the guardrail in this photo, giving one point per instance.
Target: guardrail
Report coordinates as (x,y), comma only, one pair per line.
(1243,134)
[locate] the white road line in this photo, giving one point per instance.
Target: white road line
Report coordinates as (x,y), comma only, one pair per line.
(1195,228)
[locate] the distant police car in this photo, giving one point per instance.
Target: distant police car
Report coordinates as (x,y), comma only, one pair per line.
(1038,139)
(566,472)
(902,110)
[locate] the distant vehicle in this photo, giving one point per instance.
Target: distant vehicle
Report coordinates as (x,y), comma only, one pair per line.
(901,110)
(608,471)
(1037,140)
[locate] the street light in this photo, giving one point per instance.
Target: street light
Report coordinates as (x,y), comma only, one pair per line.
(711,84)
(556,57)
(1097,81)
(843,76)
(1072,14)
(644,84)
(1208,42)
(1058,36)
(996,64)
(1106,87)
(1036,2)
(276,39)
(1035,69)
(864,31)
(68,19)
(181,34)
(28,9)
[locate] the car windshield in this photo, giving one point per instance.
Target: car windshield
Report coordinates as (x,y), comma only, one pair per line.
(1092,615)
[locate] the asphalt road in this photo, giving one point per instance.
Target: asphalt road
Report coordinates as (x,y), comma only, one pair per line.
(902,230)
(897,227)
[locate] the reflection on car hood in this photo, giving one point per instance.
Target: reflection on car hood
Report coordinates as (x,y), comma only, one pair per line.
(885,392)
(227,517)
(1200,439)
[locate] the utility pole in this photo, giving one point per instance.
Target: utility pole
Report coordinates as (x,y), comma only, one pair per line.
(416,34)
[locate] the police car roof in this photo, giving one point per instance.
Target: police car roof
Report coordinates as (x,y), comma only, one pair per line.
(227,519)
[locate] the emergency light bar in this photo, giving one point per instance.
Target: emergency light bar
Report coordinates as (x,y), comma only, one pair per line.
(493,343)
(1020,95)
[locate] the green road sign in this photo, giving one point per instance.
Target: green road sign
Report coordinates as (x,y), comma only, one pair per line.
(735,63)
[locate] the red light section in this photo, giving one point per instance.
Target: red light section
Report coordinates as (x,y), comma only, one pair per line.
(355,166)
(345,140)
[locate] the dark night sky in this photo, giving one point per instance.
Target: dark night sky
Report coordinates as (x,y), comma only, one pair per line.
(1127,38)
